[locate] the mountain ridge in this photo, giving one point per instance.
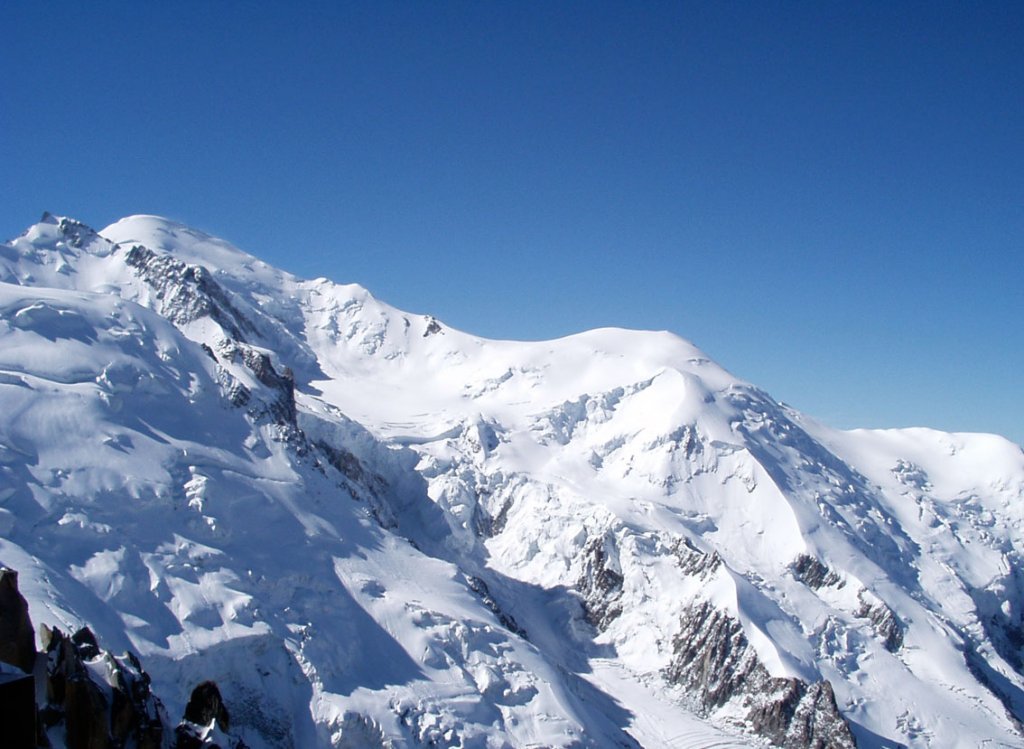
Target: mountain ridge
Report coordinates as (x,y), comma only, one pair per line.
(590,496)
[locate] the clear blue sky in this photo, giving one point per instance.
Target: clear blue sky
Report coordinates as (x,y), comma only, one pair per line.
(826,197)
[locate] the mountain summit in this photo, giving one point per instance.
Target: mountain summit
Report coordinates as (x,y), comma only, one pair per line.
(370,529)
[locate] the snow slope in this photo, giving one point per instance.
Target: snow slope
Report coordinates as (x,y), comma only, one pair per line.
(372,529)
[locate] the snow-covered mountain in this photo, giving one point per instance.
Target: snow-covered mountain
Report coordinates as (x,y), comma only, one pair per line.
(370,529)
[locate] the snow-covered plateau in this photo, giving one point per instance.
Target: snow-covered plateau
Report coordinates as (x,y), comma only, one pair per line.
(372,530)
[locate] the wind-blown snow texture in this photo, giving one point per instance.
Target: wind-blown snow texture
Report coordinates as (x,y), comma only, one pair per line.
(371,529)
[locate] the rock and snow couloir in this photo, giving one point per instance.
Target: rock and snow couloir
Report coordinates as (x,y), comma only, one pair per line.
(372,529)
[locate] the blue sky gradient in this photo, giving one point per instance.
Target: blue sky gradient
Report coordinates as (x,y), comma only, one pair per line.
(826,197)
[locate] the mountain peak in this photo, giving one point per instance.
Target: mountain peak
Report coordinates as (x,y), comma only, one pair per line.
(160,233)
(375,530)
(193,246)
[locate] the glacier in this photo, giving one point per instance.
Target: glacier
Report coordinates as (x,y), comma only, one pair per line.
(371,529)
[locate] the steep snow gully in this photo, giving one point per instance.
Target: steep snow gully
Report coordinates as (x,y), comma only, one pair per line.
(369,529)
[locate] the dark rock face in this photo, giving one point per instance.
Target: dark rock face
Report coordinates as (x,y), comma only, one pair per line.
(17,642)
(812,573)
(85,714)
(91,720)
(206,722)
(433,327)
(600,581)
(816,575)
(715,662)
(817,723)
(17,650)
(86,709)
(135,710)
(76,233)
(18,725)
(205,706)
(710,655)
(186,292)
(280,406)
(885,623)
(347,464)
(508,621)
(693,561)
(282,383)
(85,642)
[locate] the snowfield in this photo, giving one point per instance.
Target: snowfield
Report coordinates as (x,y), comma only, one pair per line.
(371,529)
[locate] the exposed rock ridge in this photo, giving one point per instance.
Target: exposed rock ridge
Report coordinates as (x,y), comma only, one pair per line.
(92,699)
(98,714)
(814,574)
(883,620)
(600,580)
(187,292)
(77,233)
(714,661)
(280,405)
(17,643)
(693,561)
(206,722)
(478,586)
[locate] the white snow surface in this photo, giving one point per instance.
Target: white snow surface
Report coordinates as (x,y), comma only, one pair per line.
(402,562)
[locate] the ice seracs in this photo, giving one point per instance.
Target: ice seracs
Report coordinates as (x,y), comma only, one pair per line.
(370,528)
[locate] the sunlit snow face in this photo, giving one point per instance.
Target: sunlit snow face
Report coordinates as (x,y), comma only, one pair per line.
(267,481)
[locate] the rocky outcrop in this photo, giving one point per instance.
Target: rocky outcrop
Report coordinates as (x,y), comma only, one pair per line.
(692,561)
(433,326)
(351,467)
(93,699)
(75,233)
(714,661)
(814,574)
(187,292)
(100,700)
(206,722)
(206,706)
(600,580)
(478,586)
(85,713)
(18,720)
(883,620)
(17,643)
(18,723)
(280,405)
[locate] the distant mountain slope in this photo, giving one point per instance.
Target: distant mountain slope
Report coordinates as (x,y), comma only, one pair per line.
(372,529)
